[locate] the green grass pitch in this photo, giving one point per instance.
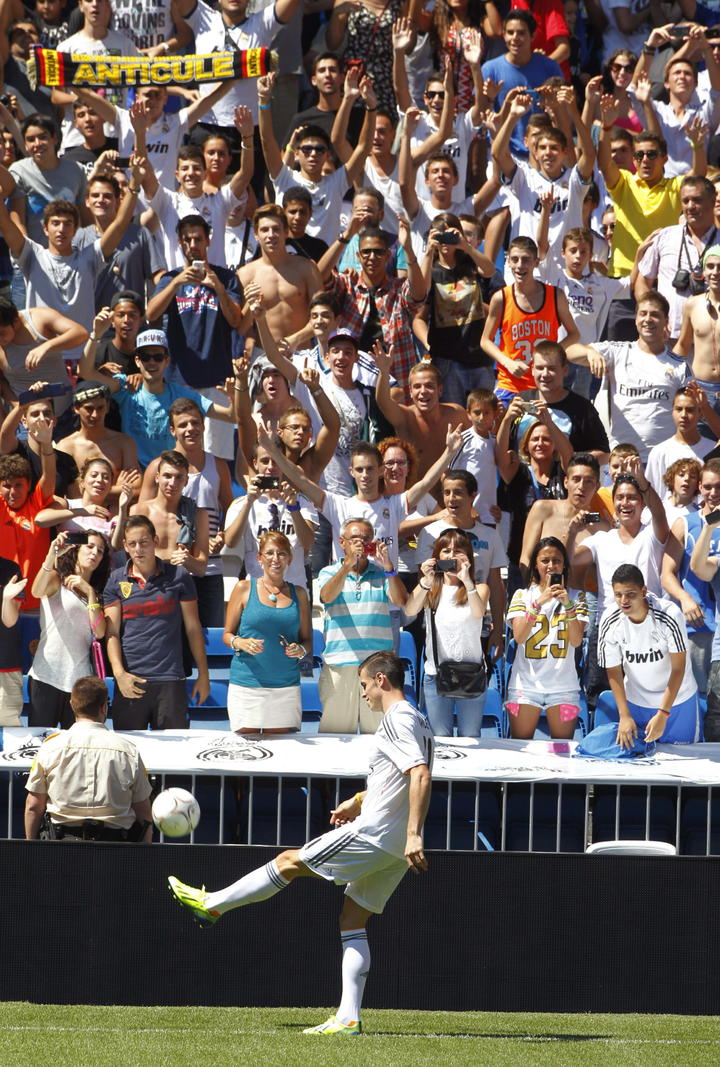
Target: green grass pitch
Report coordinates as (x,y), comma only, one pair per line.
(42,1035)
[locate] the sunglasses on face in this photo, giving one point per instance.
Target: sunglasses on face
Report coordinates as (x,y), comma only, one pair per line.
(150,357)
(435,94)
(618,67)
(648,153)
(310,149)
(365,253)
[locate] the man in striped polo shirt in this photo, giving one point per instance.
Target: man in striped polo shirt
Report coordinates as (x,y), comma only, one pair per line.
(356,594)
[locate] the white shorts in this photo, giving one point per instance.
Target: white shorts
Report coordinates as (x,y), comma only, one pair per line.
(370,874)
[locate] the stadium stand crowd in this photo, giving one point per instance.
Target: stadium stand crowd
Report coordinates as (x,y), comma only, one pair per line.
(410,343)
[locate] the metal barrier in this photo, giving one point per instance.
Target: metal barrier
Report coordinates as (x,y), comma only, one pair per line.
(510,816)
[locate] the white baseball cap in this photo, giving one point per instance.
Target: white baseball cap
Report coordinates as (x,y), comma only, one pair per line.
(152,338)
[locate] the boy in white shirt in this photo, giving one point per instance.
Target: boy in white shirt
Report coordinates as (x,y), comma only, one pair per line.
(477,454)
(686,443)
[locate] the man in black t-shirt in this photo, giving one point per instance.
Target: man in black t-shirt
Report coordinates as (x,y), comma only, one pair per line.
(115,353)
(327,78)
(571,413)
(91,126)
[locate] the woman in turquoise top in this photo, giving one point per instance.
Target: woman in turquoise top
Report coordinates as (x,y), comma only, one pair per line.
(268,626)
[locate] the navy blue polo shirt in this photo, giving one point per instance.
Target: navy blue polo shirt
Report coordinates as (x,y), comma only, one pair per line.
(151,626)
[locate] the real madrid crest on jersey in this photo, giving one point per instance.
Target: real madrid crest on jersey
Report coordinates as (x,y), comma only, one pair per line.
(126,589)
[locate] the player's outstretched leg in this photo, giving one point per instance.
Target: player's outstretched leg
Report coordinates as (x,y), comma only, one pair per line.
(260,884)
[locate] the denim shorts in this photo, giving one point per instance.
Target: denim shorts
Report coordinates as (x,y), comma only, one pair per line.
(538,699)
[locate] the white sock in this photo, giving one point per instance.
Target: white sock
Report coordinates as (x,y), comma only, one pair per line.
(260,884)
(355,967)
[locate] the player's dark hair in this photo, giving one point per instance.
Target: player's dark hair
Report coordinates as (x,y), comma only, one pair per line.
(626,479)
(312,130)
(325,55)
(547,542)
(386,663)
(375,233)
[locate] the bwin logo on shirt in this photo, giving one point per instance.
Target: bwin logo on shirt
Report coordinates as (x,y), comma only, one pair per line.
(653,656)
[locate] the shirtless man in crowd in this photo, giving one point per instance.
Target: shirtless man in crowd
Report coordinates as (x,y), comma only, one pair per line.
(91,403)
(552,518)
(286,281)
(165,512)
(700,331)
(424,422)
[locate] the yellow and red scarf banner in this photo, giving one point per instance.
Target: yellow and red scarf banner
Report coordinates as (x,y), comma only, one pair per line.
(59,69)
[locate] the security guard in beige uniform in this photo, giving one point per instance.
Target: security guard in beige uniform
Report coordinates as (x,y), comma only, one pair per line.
(88,783)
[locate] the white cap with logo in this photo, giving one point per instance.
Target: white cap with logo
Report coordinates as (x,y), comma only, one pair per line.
(152,339)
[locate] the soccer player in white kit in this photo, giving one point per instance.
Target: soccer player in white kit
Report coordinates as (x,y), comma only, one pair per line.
(377,836)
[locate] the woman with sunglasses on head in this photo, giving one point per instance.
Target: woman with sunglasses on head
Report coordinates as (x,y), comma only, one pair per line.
(69,585)
(454,606)
(548,623)
(616,78)
(268,627)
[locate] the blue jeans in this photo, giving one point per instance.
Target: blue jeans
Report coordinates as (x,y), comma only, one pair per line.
(440,711)
(459,380)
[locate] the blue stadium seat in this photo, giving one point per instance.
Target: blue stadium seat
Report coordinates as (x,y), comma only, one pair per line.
(212,715)
(634,804)
(606,709)
(318,646)
(545,800)
(461,800)
(408,654)
(215,648)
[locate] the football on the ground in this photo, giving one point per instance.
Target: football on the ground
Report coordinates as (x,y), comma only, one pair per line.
(175,812)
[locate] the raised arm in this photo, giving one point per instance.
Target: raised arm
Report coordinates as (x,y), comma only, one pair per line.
(435,141)
(329,432)
(520,104)
(395,413)
(270,147)
(652,500)
(402,42)
(244,124)
(354,166)
(292,472)
(586,154)
(453,443)
(115,232)
(406,169)
(609,114)
(671,563)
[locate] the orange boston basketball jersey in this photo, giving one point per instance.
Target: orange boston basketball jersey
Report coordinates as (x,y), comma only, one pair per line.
(521,330)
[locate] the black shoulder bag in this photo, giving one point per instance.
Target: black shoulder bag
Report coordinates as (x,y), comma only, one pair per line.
(457,678)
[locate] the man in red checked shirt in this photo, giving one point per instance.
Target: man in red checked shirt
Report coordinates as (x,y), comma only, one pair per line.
(374,306)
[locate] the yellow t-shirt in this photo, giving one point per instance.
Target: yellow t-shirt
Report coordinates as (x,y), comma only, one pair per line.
(640,209)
